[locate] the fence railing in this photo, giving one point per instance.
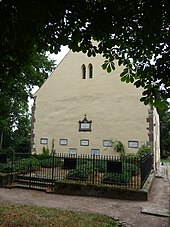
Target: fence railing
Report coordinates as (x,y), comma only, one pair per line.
(125,172)
(145,167)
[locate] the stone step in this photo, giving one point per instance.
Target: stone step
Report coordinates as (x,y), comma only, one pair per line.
(26,186)
(156,211)
(33,182)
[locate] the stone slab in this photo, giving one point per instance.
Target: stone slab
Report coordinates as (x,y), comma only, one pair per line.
(156,211)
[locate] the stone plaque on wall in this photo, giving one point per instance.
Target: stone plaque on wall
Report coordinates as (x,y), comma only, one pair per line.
(114,167)
(69,163)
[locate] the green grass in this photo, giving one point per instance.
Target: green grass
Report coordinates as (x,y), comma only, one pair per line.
(165,160)
(34,216)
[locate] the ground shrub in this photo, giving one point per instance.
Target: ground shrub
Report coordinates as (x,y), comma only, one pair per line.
(82,161)
(117,178)
(9,152)
(19,156)
(20,166)
(132,166)
(144,150)
(78,174)
(5,168)
(97,165)
(41,156)
(133,169)
(23,165)
(131,155)
(100,165)
(49,163)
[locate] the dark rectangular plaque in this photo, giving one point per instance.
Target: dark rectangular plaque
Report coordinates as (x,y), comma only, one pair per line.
(114,167)
(69,163)
(3,158)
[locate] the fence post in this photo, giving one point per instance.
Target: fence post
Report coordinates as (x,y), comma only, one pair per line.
(30,174)
(142,173)
(12,164)
(12,168)
(93,167)
(53,170)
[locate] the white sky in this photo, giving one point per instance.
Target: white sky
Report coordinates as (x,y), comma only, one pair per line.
(58,57)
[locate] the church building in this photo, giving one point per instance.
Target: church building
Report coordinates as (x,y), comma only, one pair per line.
(82,109)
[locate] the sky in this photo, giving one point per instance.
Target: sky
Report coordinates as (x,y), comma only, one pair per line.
(58,57)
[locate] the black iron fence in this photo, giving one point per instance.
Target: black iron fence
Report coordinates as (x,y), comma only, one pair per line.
(126,172)
(145,167)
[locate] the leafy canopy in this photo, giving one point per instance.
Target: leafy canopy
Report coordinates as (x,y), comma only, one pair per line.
(15,89)
(165,134)
(136,33)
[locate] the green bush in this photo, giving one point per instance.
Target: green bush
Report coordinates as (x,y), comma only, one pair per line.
(131,163)
(100,165)
(131,155)
(44,155)
(5,168)
(48,162)
(78,174)
(22,156)
(133,168)
(45,151)
(40,156)
(22,166)
(119,147)
(82,161)
(117,178)
(144,150)
(164,155)
(9,152)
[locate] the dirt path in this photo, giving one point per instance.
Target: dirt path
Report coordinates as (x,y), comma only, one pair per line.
(127,211)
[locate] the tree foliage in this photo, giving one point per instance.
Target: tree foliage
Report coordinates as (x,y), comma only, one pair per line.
(136,33)
(18,139)
(15,88)
(165,134)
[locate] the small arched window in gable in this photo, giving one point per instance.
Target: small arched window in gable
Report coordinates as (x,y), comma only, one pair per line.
(90,71)
(83,71)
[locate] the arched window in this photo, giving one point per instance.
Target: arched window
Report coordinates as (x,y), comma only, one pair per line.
(83,71)
(90,71)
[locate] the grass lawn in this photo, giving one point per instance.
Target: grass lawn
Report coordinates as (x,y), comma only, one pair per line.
(165,160)
(13,215)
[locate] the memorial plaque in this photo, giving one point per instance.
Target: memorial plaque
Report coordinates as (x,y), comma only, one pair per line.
(63,141)
(85,125)
(84,142)
(43,141)
(70,163)
(114,167)
(133,144)
(107,143)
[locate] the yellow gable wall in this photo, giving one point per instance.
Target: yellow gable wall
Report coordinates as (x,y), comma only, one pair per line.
(113,107)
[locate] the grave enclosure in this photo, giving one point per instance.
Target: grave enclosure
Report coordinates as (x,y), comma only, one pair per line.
(64,173)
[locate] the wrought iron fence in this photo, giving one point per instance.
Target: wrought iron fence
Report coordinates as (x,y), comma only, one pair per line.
(126,172)
(145,167)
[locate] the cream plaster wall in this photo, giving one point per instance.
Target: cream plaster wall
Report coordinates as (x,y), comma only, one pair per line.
(156,134)
(113,107)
